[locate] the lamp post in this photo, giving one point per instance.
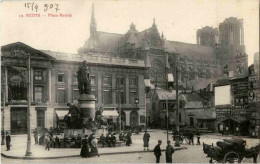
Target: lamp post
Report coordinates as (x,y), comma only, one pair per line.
(147,83)
(28,150)
(167,117)
(177,143)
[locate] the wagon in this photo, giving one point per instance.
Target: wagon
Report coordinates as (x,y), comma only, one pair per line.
(231,151)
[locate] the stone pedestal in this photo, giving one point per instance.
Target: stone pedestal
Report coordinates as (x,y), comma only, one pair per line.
(87,103)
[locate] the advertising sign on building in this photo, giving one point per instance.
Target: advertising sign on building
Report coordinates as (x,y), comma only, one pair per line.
(222,95)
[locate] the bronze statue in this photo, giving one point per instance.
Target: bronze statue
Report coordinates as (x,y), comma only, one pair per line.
(84,79)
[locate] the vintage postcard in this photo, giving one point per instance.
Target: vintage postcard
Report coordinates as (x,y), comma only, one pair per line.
(130,81)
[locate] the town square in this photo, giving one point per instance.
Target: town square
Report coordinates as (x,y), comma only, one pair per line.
(130,82)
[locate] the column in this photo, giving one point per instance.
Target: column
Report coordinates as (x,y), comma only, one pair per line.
(127,118)
(114,91)
(7,120)
(33,122)
(31,83)
(6,85)
(127,88)
(99,89)
(69,80)
(49,85)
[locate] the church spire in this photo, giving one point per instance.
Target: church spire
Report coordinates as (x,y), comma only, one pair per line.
(93,24)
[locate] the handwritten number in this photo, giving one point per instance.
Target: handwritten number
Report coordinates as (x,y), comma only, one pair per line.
(57,7)
(46,7)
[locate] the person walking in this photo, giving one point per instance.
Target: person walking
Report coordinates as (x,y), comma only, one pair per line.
(47,142)
(128,139)
(146,139)
(198,137)
(8,141)
(35,134)
(169,151)
(94,146)
(84,152)
(157,151)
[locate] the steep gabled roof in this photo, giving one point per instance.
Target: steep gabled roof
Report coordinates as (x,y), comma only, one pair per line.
(105,41)
(191,50)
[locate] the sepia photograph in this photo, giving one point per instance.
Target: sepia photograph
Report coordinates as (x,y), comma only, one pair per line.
(130,81)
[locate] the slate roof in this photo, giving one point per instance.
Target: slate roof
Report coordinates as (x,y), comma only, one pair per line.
(106,41)
(191,50)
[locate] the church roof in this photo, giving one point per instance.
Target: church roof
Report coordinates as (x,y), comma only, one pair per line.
(105,41)
(191,50)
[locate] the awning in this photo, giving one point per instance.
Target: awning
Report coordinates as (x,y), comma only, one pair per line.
(61,113)
(108,113)
(238,119)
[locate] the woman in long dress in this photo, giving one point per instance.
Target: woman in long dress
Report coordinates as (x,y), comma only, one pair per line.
(84,153)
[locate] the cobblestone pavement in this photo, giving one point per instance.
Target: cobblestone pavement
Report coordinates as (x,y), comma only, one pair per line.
(193,153)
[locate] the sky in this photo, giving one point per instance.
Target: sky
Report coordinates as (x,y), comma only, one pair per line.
(178,19)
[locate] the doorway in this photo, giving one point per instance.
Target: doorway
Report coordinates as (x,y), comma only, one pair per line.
(19,120)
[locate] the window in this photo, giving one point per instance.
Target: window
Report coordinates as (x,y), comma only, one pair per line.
(121,98)
(61,78)
(61,95)
(179,117)
(164,106)
(41,118)
(133,95)
(38,94)
(75,78)
(106,80)
(76,95)
(92,79)
(107,97)
(133,81)
(120,81)
(38,75)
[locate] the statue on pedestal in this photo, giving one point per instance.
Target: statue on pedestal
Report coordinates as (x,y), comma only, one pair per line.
(84,79)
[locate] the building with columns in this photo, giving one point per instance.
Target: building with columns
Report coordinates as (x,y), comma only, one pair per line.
(115,82)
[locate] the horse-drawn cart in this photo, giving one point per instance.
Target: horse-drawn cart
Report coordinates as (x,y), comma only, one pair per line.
(231,151)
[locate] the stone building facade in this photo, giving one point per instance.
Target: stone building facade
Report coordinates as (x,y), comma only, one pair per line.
(115,82)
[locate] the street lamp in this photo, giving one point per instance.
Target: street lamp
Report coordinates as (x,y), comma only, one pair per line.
(28,150)
(147,84)
(174,64)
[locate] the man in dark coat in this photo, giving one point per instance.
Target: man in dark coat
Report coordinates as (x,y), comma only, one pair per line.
(35,134)
(84,79)
(169,151)
(102,139)
(157,151)
(146,139)
(8,141)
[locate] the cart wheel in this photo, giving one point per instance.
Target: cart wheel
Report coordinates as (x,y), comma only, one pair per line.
(232,157)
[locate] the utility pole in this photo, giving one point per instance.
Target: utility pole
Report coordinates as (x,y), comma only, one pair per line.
(28,150)
(177,143)
(167,113)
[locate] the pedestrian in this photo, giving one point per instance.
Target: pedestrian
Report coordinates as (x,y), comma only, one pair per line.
(146,139)
(128,139)
(108,139)
(102,139)
(78,141)
(57,142)
(84,153)
(8,141)
(35,134)
(94,146)
(113,140)
(198,137)
(157,151)
(47,142)
(169,151)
